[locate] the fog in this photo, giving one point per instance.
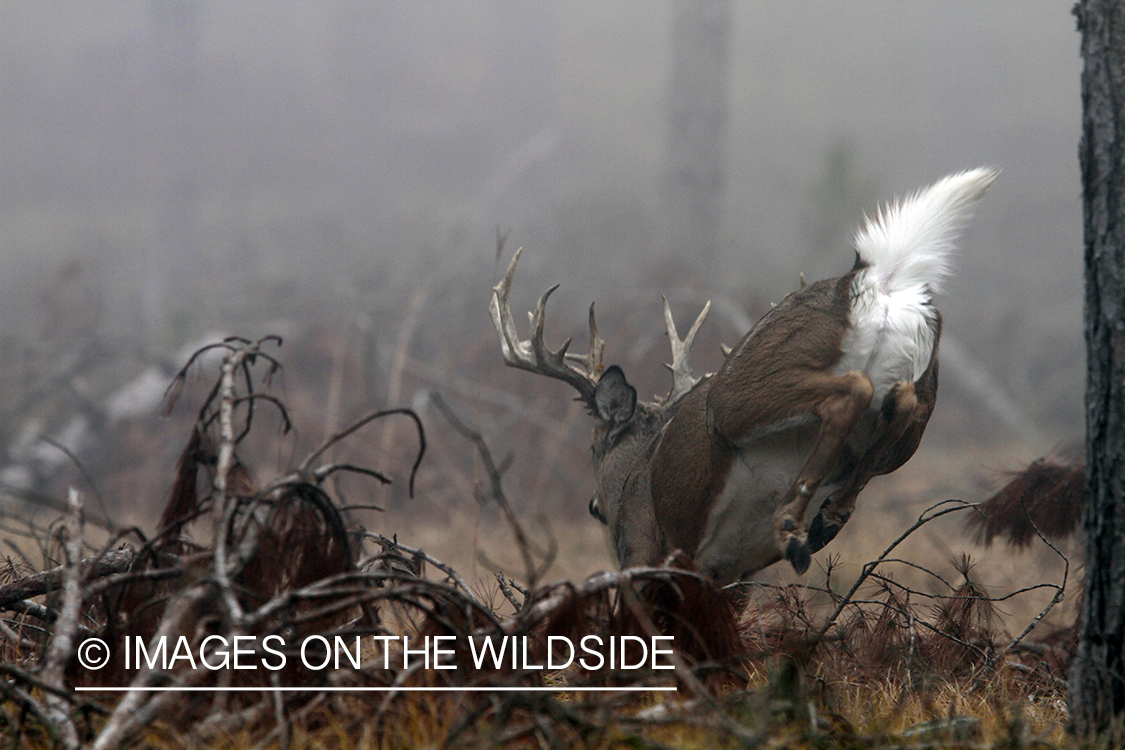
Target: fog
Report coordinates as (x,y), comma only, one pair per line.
(323,168)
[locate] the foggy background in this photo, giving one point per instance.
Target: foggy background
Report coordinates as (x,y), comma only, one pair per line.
(336,172)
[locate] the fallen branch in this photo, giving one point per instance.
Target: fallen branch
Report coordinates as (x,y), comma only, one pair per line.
(117,561)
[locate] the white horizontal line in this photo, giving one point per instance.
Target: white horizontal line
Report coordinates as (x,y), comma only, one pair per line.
(499,689)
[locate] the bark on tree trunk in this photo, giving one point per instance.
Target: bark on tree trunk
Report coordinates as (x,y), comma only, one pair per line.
(1097,677)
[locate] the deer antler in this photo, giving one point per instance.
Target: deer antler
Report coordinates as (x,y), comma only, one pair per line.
(534,355)
(682,379)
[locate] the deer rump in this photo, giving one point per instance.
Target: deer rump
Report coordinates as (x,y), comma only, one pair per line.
(723,465)
(832,387)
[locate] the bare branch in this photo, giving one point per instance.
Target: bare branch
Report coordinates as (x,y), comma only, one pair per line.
(1060,591)
(506,590)
(321,473)
(105,519)
(496,493)
(227,506)
(453,575)
(929,514)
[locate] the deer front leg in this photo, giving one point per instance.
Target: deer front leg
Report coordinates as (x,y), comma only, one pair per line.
(901,421)
(848,398)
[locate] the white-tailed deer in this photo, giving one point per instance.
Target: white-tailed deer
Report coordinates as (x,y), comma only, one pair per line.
(832,387)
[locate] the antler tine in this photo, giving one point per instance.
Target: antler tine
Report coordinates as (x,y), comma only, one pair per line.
(682,379)
(592,359)
(597,347)
(534,355)
(516,353)
(502,313)
(555,359)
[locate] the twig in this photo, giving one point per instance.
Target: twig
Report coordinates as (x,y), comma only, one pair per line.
(117,579)
(496,492)
(919,568)
(105,519)
(562,595)
(15,638)
(953,598)
(321,473)
(526,592)
(1057,683)
(506,590)
(402,350)
(1060,591)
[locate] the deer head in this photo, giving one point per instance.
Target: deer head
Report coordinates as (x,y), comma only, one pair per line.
(624,427)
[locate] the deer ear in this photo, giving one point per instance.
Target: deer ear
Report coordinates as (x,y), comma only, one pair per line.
(614,398)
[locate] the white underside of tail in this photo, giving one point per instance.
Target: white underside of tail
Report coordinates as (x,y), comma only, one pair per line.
(907,249)
(891,339)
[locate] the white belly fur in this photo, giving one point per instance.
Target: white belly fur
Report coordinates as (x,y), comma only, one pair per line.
(739,533)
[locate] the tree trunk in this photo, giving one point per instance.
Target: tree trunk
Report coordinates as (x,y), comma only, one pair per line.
(697,119)
(1097,677)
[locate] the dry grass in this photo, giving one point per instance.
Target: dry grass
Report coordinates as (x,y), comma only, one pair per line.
(920,655)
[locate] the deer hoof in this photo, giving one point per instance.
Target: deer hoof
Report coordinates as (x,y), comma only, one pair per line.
(821,534)
(799,555)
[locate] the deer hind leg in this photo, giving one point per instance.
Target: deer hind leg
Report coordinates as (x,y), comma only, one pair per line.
(848,398)
(901,420)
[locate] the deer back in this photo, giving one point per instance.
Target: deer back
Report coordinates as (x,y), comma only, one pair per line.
(763,385)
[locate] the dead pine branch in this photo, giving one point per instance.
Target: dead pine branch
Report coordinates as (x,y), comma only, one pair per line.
(929,514)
